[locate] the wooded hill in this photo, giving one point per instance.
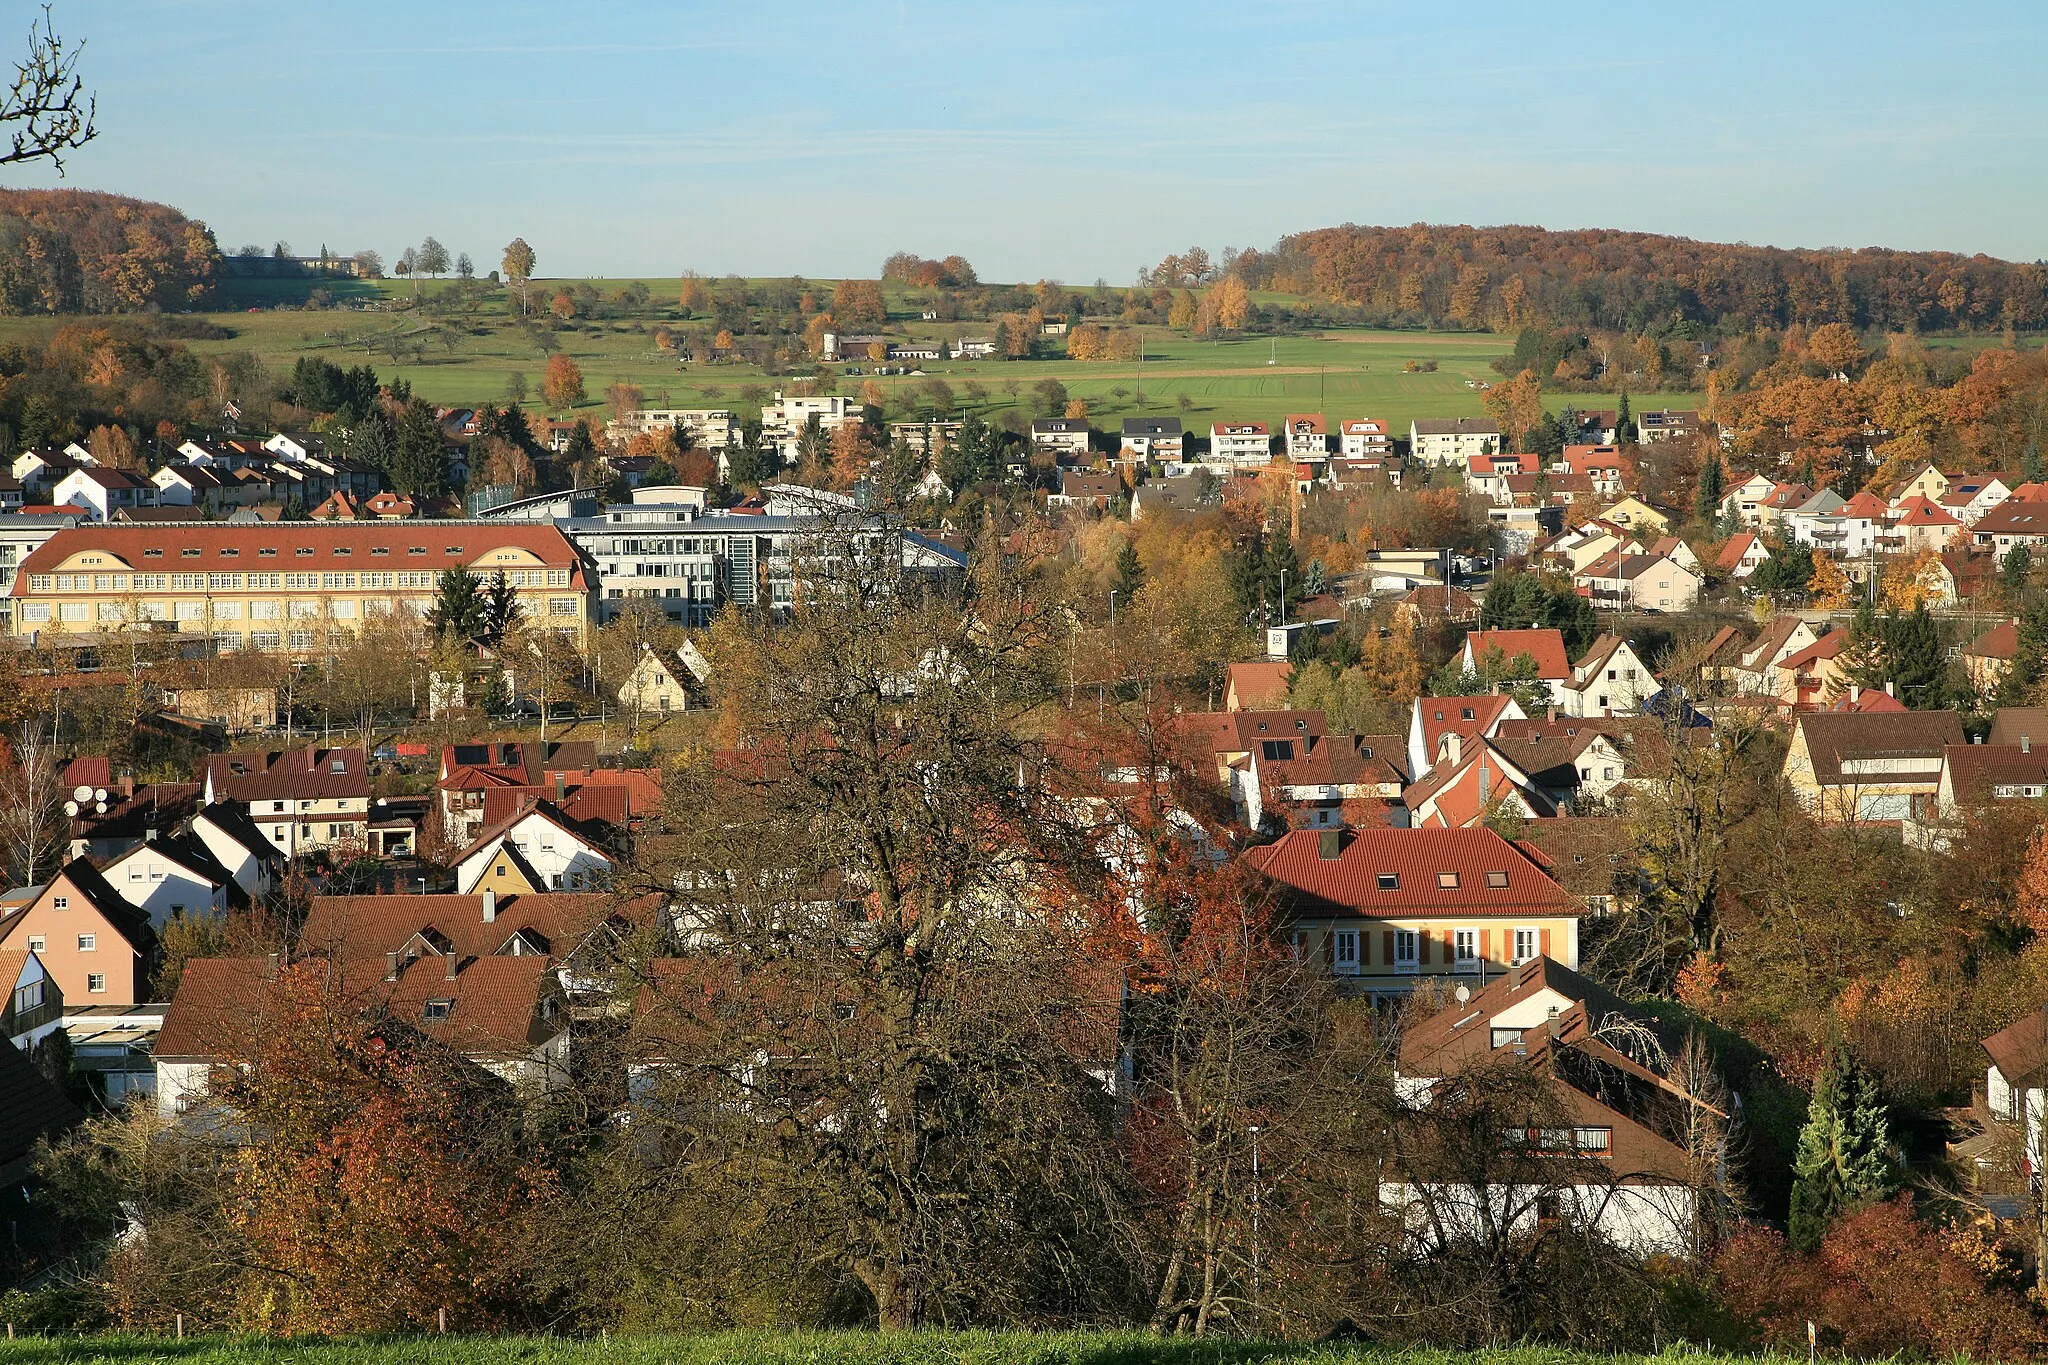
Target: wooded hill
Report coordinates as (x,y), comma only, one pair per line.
(1506,277)
(81,251)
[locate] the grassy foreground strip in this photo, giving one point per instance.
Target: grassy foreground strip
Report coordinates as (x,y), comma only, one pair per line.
(771,1348)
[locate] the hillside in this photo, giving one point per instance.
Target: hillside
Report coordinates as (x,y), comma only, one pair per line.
(81,251)
(1509,277)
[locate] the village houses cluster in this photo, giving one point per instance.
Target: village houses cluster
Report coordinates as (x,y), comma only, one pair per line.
(1469,851)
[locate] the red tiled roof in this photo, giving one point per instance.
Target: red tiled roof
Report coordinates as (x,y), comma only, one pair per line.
(1827,647)
(1546,647)
(2002,641)
(1918,511)
(1417,860)
(1732,553)
(1260,685)
(1446,715)
(334,545)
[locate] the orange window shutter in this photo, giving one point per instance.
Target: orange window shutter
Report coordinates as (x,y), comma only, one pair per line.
(1388,944)
(1543,941)
(1422,947)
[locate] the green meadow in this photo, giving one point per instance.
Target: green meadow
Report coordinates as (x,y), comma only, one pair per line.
(466,360)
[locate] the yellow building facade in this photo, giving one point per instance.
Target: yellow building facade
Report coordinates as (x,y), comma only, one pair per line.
(295,587)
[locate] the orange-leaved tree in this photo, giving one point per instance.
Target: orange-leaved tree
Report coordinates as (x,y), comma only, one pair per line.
(381,1180)
(561,384)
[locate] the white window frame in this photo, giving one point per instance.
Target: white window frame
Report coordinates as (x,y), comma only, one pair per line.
(1528,937)
(88,943)
(1344,951)
(96,983)
(1407,950)
(1465,950)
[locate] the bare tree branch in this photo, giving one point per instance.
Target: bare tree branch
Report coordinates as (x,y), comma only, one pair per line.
(48,108)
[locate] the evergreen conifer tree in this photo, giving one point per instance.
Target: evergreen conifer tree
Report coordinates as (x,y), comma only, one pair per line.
(2029,657)
(1844,1156)
(1706,503)
(1130,574)
(1624,424)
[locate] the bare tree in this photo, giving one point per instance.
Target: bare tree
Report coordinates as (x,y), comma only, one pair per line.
(47,108)
(32,824)
(886,1021)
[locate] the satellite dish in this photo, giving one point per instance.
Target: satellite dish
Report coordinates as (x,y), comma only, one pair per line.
(71,808)
(99,794)
(1463,994)
(99,808)
(81,794)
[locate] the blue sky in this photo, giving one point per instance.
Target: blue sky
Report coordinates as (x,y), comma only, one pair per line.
(1070,141)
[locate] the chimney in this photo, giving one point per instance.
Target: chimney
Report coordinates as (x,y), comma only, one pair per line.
(561,787)
(490,906)
(1855,693)
(1891,689)
(1550,715)
(450,960)
(391,966)
(270,967)
(127,785)
(1329,844)
(1454,747)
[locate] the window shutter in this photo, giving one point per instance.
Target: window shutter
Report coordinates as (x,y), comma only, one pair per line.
(1543,941)
(1422,947)
(1389,945)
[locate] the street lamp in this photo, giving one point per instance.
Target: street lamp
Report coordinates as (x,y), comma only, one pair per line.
(1112,608)
(1253,1129)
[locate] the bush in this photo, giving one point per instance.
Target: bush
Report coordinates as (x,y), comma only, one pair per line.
(64,1310)
(1882,1283)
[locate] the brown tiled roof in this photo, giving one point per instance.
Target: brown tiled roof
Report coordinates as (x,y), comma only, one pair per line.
(307,774)
(2010,723)
(1832,737)
(1310,884)
(362,927)
(2020,1049)
(1441,1043)
(2014,517)
(222,1006)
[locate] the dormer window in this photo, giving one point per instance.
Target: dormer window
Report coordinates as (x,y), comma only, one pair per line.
(380,549)
(1467,713)
(1497,880)
(266,552)
(1389,881)
(230,553)
(439,1009)
(343,550)
(1447,881)
(152,554)
(304,550)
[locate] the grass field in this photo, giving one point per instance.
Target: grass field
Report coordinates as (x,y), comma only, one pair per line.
(770,1348)
(1339,373)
